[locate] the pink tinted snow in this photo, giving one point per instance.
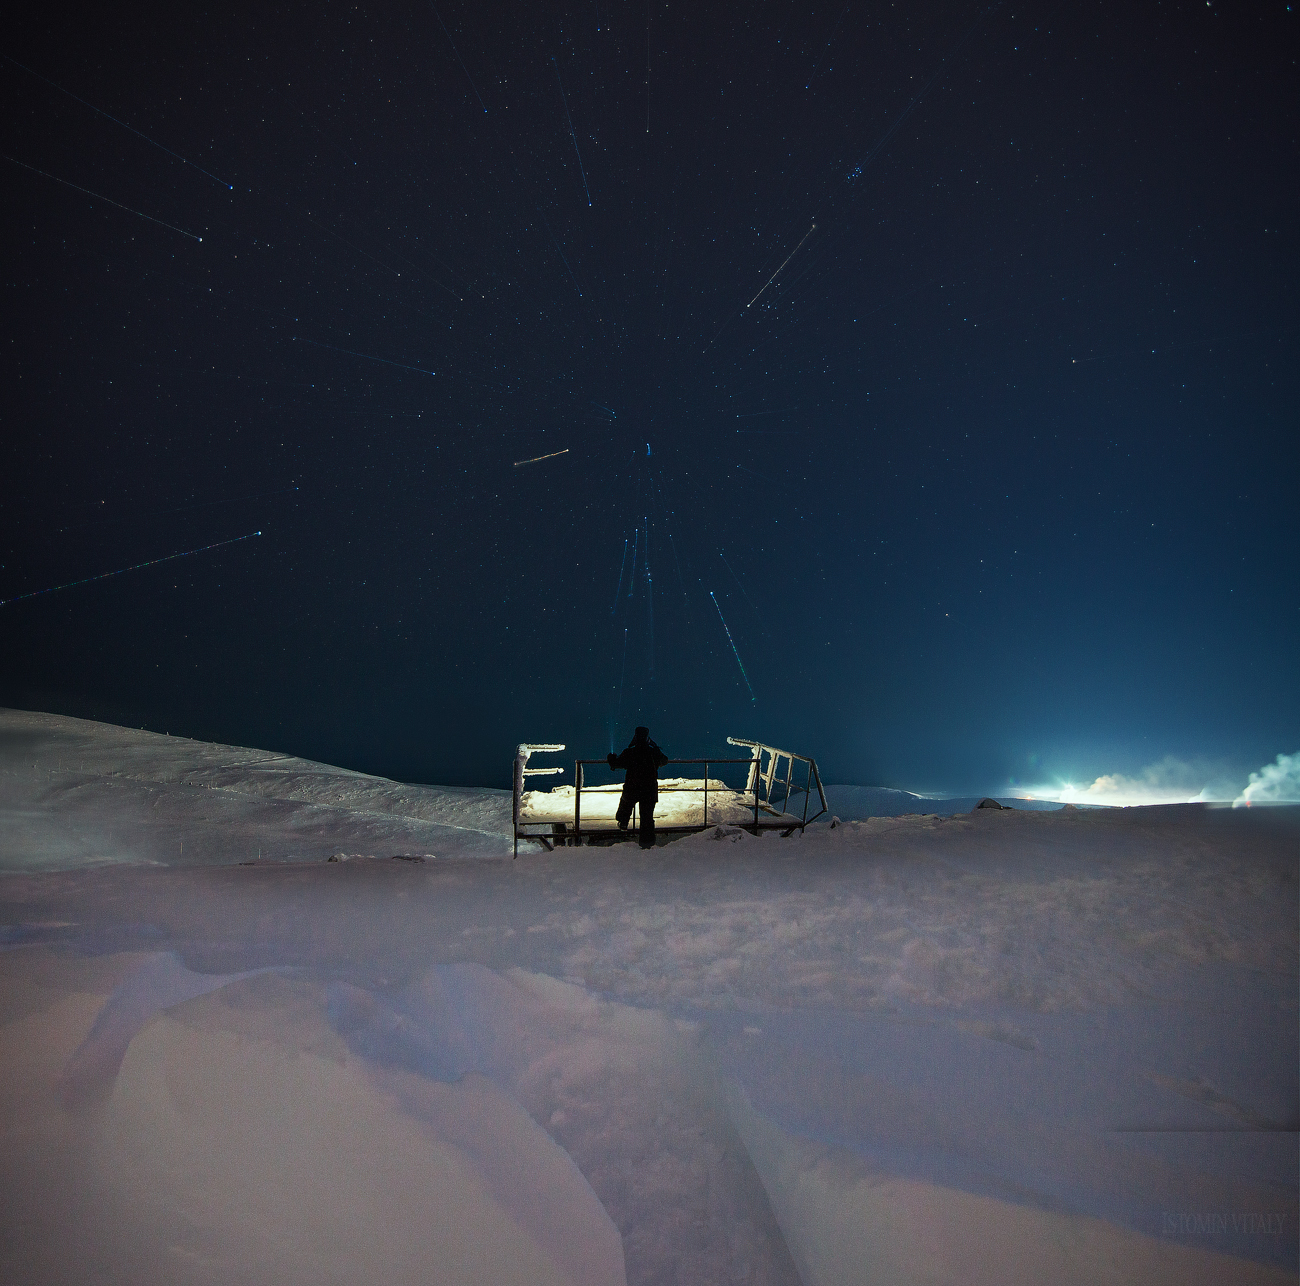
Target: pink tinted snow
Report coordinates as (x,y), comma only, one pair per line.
(993,1047)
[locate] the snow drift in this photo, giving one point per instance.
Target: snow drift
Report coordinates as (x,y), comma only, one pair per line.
(993,1047)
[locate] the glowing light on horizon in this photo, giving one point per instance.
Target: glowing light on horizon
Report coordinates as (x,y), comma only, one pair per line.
(1173,780)
(1117,791)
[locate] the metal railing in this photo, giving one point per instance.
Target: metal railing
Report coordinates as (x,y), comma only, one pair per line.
(521,770)
(772,777)
(761,783)
(580,764)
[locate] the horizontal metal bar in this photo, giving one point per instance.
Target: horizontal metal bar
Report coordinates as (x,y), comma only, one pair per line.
(773,750)
(679,761)
(588,829)
(665,789)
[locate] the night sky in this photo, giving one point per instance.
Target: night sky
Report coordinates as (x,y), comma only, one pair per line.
(949,348)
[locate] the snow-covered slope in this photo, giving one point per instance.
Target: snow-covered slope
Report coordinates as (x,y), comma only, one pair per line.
(856,803)
(76,793)
(994,1047)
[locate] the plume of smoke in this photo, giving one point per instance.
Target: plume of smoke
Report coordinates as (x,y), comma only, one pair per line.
(1169,781)
(1275,783)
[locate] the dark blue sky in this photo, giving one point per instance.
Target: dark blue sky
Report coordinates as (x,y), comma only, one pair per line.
(994,481)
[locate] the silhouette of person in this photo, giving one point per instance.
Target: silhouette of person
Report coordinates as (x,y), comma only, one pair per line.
(642,759)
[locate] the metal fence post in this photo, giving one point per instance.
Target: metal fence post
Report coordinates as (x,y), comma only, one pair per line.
(577,802)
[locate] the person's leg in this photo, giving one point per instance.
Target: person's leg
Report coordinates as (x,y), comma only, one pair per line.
(647,824)
(624,811)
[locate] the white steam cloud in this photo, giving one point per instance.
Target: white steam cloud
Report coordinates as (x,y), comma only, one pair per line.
(1275,783)
(1171,781)
(1178,781)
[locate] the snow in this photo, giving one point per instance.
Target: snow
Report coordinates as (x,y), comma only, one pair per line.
(75,793)
(855,803)
(988,1047)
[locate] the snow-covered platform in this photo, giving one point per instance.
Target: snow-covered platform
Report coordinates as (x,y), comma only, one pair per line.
(778,795)
(681,806)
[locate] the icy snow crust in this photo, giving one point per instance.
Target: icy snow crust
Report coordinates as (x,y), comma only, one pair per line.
(995,1047)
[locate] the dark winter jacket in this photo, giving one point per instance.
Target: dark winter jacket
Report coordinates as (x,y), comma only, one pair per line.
(642,761)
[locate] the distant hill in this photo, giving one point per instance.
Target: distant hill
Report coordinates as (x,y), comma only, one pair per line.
(853,803)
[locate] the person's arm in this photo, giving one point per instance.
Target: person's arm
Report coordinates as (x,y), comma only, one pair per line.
(619,761)
(660,758)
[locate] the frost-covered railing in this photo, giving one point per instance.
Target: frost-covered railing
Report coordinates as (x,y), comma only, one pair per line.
(521,770)
(765,783)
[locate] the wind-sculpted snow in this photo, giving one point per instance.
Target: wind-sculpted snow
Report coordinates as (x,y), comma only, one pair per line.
(75,793)
(991,1047)
(159,983)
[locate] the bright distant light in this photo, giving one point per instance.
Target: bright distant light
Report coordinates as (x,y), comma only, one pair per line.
(1170,781)
(1177,781)
(1118,791)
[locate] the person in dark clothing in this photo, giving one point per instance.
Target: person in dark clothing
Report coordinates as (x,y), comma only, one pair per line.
(642,759)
